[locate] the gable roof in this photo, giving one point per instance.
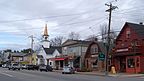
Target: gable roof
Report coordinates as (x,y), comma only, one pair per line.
(75,42)
(52,49)
(138,28)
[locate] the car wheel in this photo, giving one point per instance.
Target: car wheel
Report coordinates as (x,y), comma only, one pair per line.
(18,69)
(63,73)
(8,68)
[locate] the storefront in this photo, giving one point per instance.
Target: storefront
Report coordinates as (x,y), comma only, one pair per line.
(128,62)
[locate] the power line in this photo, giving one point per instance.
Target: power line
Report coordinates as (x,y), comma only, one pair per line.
(57,16)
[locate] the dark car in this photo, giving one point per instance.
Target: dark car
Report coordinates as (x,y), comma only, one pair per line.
(35,67)
(30,67)
(0,65)
(45,68)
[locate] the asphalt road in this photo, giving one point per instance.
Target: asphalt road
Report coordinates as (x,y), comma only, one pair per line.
(26,75)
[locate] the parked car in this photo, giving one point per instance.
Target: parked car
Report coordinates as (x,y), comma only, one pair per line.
(23,66)
(0,65)
(14,66)
(68,70)
(5,66)
(35,67)
(30,67)
(45,68)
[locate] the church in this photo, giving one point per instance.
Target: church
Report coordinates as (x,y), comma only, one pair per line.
(46,52)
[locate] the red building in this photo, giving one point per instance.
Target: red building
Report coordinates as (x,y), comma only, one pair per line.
(129,50)
(92,61)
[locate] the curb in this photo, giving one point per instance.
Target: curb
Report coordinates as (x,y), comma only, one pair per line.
(110,75)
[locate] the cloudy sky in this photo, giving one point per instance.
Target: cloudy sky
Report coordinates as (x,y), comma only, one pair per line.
(21,18)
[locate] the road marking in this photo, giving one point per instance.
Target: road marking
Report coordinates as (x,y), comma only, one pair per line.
(7,74)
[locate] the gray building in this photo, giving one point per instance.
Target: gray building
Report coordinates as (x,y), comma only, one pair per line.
(75,51)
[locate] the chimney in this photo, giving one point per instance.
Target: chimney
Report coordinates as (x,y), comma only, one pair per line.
(141,23)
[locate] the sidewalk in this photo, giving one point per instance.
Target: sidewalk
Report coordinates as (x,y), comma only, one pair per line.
(95,73)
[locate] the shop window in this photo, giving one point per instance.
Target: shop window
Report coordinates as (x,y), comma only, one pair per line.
(130,63)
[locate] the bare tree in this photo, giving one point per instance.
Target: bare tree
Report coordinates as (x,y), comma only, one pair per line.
(74,36)
(57,41)
(104,32)
(92,38)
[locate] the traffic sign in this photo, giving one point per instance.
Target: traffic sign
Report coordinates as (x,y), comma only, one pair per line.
(101,56)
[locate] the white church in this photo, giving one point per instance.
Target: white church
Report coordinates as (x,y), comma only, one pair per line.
(47,52)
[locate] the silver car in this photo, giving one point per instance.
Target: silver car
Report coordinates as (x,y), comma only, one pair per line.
(68,70)
(14,66)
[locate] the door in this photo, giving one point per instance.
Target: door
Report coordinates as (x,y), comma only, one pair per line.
(123,64)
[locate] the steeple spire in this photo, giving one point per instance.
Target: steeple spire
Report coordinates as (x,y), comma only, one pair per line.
(45,35)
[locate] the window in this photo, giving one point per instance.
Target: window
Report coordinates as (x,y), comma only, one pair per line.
(94,49)
(50,63)
(128,34)
(130,63)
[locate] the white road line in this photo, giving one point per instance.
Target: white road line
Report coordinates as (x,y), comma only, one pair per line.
(7,74)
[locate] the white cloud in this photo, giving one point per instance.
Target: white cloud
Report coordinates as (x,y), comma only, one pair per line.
(33,9)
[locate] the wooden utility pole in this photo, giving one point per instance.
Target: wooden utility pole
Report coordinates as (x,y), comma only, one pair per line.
(111,7)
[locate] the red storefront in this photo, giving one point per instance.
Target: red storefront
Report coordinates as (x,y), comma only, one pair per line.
(129,50)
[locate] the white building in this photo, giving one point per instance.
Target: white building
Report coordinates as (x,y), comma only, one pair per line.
(46,51)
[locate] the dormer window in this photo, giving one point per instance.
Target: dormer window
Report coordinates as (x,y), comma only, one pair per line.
(128,34)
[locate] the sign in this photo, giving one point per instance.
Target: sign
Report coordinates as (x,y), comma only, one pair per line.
(101,56)
(122,50)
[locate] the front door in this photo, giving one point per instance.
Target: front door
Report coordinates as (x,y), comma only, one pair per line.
(123,64)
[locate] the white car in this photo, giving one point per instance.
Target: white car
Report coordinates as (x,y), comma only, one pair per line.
(67,69)
(14,66)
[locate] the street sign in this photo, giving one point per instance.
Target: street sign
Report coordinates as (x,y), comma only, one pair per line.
(101,56)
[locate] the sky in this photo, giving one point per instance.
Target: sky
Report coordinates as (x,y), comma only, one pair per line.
(20,19)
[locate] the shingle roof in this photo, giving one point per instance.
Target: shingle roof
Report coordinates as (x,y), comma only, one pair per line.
(52,49)
(138,28)
(75,42)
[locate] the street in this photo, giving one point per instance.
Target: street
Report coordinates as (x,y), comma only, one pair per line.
(26,75)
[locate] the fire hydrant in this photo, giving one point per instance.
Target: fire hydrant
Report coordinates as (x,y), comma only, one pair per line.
(113,71)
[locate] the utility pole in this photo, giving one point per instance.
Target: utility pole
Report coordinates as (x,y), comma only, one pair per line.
(111,7)
(31,52)
(32,41)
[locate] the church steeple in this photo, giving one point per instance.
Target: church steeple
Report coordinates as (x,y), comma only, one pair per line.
(45,35)
(45,41)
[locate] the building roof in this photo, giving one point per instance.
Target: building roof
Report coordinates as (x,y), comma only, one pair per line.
(39,56)
(17,54)
(138,28)
(75,42)
(52,49)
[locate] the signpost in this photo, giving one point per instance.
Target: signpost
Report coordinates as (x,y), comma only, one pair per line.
(101,56)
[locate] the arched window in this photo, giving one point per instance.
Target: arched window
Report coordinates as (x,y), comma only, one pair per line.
(94,49)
